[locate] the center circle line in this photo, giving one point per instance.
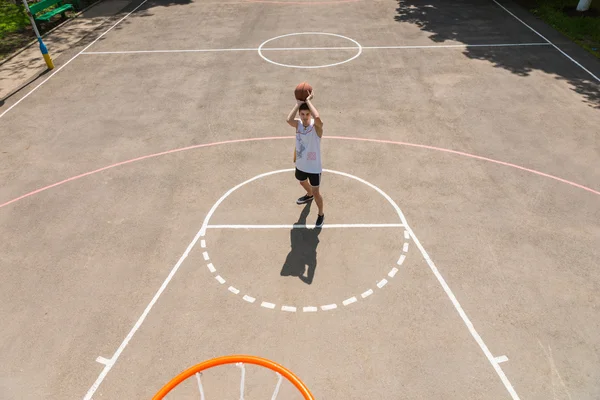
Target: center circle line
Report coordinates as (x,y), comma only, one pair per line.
(260,49)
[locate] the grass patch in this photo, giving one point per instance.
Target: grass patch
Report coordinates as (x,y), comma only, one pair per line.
(12,18)
(581,27)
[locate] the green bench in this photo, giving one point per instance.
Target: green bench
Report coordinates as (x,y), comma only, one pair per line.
(41,6)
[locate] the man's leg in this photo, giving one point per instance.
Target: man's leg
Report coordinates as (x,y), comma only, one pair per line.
(318,199)
(302,178)
(306,185)
(315,182)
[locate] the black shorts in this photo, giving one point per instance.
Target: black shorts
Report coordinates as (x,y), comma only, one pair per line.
(314,179)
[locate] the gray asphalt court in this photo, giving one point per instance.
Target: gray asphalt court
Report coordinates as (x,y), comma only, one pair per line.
(148,216)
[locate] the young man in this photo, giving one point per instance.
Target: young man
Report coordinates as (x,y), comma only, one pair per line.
(309,130)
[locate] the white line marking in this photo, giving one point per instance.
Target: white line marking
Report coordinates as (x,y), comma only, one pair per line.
(304,226)
(233,290)
(267,305)
(401,260)
(381,283)
(349,301)
(405,247)
(202,232)
(288,308)
(165,51)
(221,280)
(549,43)
(441,46)
(462,314)
(211,267)
(329,307)
(203,243)
(367,293)
(406,235)
(393,272)
(309,309)
(249,299)
(103,360)
(455,46)
(205,255)
(94,387)
(261,47)
(501,359)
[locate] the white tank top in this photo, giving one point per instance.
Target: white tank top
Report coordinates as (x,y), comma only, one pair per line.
(308,148)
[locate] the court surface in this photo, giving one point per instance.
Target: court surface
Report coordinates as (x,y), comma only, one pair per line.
(148,218)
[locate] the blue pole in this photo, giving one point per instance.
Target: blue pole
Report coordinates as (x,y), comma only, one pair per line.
(43,48)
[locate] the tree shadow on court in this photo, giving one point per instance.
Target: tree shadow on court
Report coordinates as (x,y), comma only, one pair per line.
(474,22)
(302,258)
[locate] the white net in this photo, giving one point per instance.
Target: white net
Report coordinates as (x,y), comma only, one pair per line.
(236,381)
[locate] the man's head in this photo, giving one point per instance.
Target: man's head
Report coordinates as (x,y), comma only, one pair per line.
(304,112)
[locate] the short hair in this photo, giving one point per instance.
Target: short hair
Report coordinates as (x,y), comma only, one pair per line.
(303,106)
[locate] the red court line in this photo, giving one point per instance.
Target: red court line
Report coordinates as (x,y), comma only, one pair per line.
(383,141)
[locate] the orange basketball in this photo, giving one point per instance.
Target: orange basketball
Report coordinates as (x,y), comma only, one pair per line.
(302,91)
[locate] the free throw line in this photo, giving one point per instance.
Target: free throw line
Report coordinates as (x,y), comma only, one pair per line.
(304,226)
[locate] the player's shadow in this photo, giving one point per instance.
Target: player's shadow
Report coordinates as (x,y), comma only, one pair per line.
(302,258)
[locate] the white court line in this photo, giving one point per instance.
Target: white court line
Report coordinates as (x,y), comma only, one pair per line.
(267,305)
(303,226)
(202,232)
(233,290)
(349,301)
(103,360)
(433,46)
(249,299)
(548,42)
(56,72)
(463,315)
(501,359)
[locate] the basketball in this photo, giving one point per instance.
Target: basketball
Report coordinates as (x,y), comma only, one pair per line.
(302,91)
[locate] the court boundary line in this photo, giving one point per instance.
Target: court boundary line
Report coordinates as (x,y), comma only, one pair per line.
(72,58)
(548,41)
(399,47)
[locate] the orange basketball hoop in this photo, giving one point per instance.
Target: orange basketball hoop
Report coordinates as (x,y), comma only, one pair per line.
(240,360)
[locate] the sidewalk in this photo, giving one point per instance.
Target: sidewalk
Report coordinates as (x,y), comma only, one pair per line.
(29,64)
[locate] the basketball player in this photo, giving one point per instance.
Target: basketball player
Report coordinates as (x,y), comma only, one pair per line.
(309,130)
